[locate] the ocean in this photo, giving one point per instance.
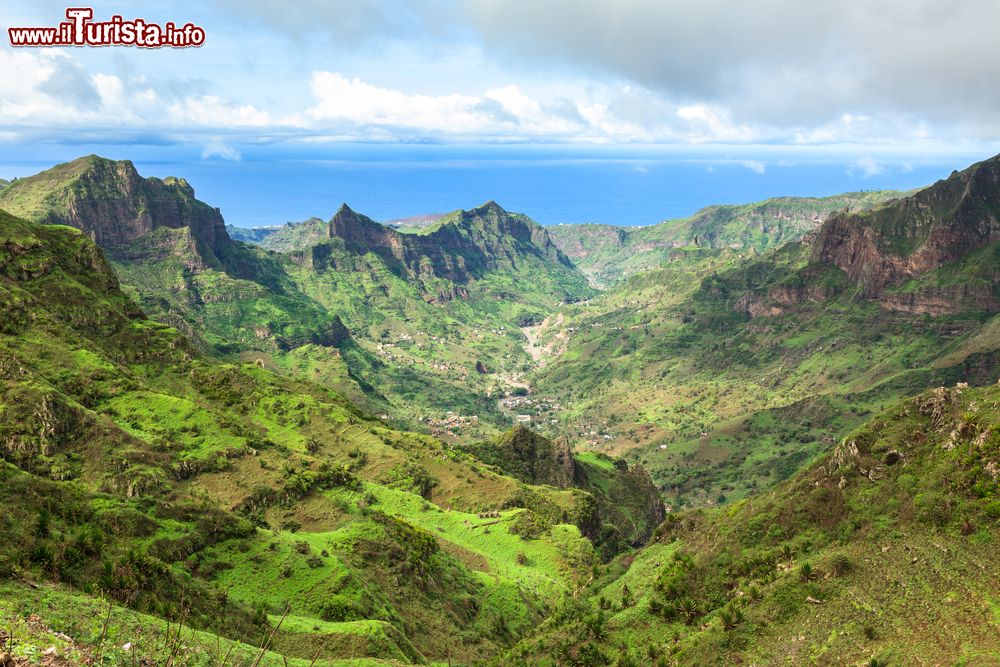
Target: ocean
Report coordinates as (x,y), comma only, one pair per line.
(642,185)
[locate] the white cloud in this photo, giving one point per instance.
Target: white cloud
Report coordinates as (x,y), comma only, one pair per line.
(221,151)
(213,111)
(866,167)
(340,98)
(756,166)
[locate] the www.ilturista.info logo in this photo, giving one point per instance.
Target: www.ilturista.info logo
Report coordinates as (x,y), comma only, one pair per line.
(81,30)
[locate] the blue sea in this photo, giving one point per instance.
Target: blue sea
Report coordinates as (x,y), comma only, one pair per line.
(553,184)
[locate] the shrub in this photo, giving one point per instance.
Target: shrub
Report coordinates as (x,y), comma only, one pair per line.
(841,565)
(932,507)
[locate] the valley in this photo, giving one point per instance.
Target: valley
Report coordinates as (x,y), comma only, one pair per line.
(762,433)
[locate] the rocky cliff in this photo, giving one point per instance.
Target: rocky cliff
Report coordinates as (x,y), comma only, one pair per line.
(934,252)
(460,247)
(915,235)
(112,203)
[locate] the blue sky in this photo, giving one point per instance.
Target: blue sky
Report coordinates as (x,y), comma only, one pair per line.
(880,87)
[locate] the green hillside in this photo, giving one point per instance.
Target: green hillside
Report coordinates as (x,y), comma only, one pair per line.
(881,552)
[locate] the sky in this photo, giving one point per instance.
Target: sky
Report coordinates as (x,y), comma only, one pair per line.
(880,87)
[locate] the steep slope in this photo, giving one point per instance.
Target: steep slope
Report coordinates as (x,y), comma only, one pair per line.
(905,240)
(627,507)
(849,562)
(174,254)
(725,374)
(609,254)
(113,204)
(224,497)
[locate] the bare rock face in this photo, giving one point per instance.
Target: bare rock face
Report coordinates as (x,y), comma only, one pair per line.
(112,203)
(536,459)
(779,299)
(943,300)
(912,236)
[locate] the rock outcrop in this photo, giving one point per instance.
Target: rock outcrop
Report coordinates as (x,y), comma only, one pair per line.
(112,203)
(912,236)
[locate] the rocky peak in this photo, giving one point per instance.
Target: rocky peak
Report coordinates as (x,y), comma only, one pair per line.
(353,226)
(492,229)
(913,235)
(112,203)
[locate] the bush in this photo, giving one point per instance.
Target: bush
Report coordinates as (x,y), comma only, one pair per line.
(932,507)
(337,610)
(841,565)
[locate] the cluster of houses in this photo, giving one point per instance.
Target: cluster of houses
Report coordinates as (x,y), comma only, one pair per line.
(451,422)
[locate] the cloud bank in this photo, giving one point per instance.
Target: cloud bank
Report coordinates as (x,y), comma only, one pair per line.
(630,71)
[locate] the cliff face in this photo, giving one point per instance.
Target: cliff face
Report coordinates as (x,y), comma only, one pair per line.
(112,203)
(935,252)
(912,236)
(175,253)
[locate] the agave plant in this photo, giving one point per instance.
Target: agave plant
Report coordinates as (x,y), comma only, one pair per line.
(688,610)
(595,624)
(730,618)
(807,573)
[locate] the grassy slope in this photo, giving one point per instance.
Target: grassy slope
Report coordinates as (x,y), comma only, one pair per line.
(854,558)
(142,472)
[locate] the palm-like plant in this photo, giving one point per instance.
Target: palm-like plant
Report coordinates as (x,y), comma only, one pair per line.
(730,618)
(807,573)
(688,610)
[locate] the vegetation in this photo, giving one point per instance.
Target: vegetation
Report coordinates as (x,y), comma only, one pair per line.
(306,456)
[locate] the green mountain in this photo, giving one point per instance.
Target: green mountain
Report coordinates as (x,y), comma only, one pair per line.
(198,496)
(203,457)
(882,551)
(608,254)
(174,255)
(724,375)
